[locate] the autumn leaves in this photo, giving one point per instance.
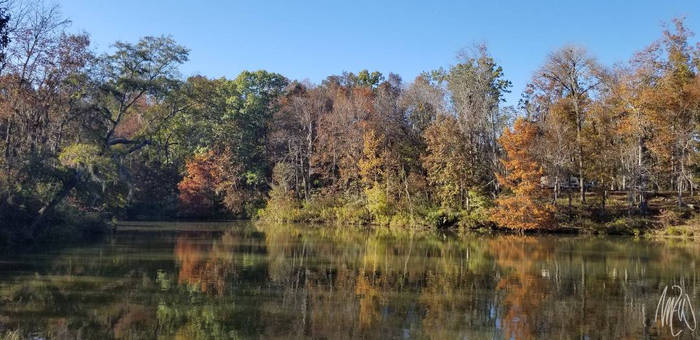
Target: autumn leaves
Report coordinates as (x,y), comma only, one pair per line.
(529,207)
(442,150)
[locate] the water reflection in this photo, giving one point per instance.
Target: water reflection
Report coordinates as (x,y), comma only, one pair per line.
(267,281)
(206,264)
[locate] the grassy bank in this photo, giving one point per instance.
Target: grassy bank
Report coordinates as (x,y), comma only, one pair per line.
(616,217)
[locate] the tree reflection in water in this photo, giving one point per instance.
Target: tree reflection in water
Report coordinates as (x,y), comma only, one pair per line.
(277,281)
(524,288)
(206,265)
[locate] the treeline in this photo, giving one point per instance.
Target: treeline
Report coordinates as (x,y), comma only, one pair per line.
(121,134)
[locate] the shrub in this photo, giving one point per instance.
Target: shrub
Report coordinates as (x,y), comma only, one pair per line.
(402,220)
(377,205)
(472,220)
(627,226)
(478,215)
(352,213)
(678,231)
(673,231)
(442,218)
(281,210)
(281,206)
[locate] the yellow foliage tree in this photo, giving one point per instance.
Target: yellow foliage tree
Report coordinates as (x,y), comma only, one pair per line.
(370,164)
(527,208)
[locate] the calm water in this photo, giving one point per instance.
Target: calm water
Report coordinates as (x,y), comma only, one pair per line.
(238,280)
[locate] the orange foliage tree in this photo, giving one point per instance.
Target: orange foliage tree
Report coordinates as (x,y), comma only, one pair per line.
(527,208)
(197,190)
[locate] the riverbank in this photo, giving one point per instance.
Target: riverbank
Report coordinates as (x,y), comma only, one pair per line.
(663,219)
(614,217)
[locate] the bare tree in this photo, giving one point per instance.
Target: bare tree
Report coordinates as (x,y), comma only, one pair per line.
(569,74)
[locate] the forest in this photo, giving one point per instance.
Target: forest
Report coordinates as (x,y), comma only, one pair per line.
(90,138)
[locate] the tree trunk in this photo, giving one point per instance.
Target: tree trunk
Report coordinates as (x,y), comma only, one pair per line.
(582,187)
(46,210)
(680,192)
(579,147)
(604,197)
(643,203)
(307,159)
(568,191)
(681,178)
(641,185)
(7,139)
(692,192)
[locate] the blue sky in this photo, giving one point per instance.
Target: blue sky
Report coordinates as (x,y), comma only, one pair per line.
(313,39)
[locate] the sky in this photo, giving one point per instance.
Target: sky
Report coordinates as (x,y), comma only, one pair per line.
(310,40)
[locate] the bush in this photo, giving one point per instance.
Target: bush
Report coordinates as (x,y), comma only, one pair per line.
(282,206)
(352,213)
(472,220)
(377,205)
(403,221)
(676,231)
(627,226)
(588,225)
(318,209)
(673,231)
(442,217)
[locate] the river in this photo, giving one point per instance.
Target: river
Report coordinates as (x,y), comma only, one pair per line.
(244,280)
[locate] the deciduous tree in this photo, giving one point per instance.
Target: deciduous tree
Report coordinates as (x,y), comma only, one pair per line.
(527,207)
